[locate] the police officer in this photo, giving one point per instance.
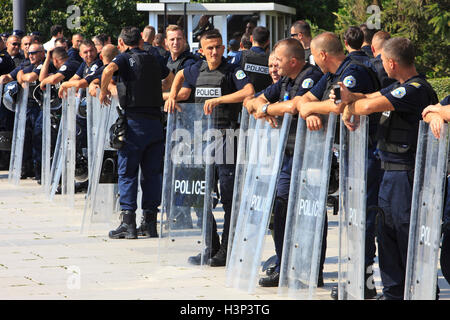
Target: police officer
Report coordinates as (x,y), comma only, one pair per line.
(74,50)
(298,77)
(13,49)
(367,43)
(109,52)
(140,94)
(401,105)
(329,56)
(377,44)
(65,67)
(438,114)
(301,31)
(255,60)
(215,72)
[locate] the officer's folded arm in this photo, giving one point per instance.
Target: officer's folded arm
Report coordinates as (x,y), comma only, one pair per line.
(235,97)
(52,79)
(368,106)
(93,86)
(107,75)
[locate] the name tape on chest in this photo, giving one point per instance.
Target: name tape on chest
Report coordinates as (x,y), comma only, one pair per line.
(256,68)
(208,92)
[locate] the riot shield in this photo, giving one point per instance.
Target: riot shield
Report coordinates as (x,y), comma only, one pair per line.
(426,214)
(352,209)
(245,131)
(101,205)
(18,140)
(46,142)
(306,211)
(265,160)
(187,186)
(56,164)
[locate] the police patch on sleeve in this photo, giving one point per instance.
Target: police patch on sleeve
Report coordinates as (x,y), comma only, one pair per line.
(307,83)
(240,74)
(63,68)
(349,81)
(399,92)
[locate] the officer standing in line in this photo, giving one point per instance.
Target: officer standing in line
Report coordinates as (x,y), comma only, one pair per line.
(353,39)
(215,72)
(440,113)
(368,36)
(65,67)
(254,61)
(74,51)
(92,80)
(401,105)
(6,116)
(13,49)
(140,95)
(377,44)
(329,56)
(301,31)
(298,77)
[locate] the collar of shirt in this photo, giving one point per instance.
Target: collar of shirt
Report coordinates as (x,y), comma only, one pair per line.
(257,49)
(358,53)
(184,53)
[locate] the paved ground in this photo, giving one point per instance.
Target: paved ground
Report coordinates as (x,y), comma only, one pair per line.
(43,255)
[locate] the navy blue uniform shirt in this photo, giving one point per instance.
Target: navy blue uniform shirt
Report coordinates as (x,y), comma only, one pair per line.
(75,54)
(187,62)
(22,66)
(238,56)
(445,101)
(410,100)
(68,69)
(81,72)
(236,77)
(6,64)
(272,92)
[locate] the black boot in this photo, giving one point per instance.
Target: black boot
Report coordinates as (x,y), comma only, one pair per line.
(220,258)
(127,227)
(207,254)
(148,224)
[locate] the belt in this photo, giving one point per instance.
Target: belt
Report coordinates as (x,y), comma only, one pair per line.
(390,166)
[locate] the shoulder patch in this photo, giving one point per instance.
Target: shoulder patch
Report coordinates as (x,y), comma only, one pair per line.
(39,67)
(416,84)
(349,81)
(399,92)
(63,68)
(307,83)
(94,67)
(240,74)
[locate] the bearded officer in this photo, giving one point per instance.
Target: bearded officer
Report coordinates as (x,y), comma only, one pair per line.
(401,105)
(140,94)
(234,86)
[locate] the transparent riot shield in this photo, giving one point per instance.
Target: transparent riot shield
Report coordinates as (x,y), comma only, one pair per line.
(69,136)
(247,126)
(20,119)
(101,205)
(306,211)
(265,160)
(46,142)
(187,186)
(426,214)
(352,209)
(58,154)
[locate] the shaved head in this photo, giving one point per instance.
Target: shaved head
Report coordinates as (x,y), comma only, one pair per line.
(328,42)
(379,38)
(109,51)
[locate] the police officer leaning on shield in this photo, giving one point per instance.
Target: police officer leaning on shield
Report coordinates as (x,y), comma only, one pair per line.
(142,77)
(298,77)
(329,56)
(401,105)
(234,86)
(438,114)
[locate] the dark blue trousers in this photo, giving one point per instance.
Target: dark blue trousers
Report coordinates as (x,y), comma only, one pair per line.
(393,230)
(144,148)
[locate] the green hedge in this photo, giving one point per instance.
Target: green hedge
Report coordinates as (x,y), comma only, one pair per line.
(441,86)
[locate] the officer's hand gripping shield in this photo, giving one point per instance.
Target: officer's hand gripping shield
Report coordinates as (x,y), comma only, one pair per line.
(265,160)
(306,211)
(46,142)
(187,186)
(101,205)
(18,139)
(353,160)
(246,130)
(426,214)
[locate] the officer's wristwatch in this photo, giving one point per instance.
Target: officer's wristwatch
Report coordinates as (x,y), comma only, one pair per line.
(264,108)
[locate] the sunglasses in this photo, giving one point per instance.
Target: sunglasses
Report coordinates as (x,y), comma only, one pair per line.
(34,52)
(294,34)
(16,44)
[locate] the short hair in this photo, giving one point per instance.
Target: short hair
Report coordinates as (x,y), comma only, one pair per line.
(328,42)
(130,36)
(148,32)
(109,52)
(87,43)
(36,39)
(60,53)
(211,34)
(303,27)
(54,30)
(368,33)
(77,35)
(401,50)
(13,36)
(174,27)
(381,36)
(261,35)
(61,40)
(245,40)
(294,48)
(354,37)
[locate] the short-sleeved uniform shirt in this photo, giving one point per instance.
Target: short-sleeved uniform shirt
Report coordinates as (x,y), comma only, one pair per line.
(68,69)
(22,66)
(75,54)
(445,101)
(187,62)
(83,70)
(410,100)
(6,64)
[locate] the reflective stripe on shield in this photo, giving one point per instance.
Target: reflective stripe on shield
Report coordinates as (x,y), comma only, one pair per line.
(187,186)
(46,142)
(426,213)
(306,209)
(352,209)
(265,160)
(18,140)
